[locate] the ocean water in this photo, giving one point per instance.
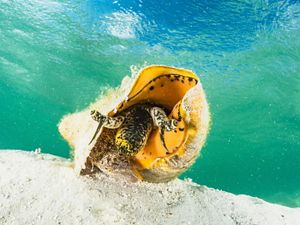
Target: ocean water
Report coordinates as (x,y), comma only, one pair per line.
(57,56)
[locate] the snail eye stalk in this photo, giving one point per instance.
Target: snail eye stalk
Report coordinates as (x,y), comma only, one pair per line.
(105,121)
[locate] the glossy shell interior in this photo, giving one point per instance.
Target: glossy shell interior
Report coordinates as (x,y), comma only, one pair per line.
(178,91)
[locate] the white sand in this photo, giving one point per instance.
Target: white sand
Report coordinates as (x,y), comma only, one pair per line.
(43,189)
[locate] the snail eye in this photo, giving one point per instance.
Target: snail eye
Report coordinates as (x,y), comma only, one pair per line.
(174,123)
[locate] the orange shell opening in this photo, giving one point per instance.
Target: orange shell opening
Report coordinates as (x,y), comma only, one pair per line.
(165,86)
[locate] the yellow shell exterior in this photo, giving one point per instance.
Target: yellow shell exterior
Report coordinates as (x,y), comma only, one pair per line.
(177,90)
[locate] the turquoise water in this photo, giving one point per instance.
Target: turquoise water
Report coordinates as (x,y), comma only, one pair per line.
(57,56)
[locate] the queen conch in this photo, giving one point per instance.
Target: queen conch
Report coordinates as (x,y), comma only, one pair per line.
(178,91)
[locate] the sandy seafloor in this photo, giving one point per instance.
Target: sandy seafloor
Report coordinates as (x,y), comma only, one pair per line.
(43,189)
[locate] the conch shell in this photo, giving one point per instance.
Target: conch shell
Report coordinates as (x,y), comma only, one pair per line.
(177,90)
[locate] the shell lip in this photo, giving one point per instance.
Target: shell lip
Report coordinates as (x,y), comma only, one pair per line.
(147,77)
